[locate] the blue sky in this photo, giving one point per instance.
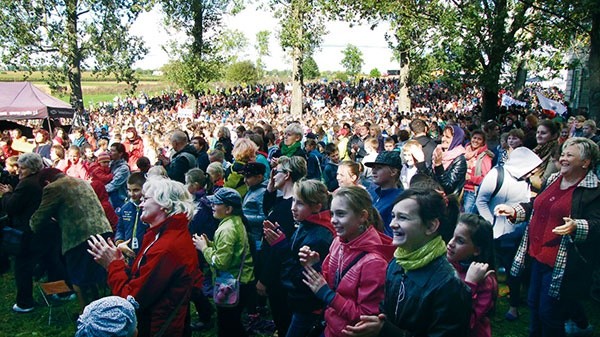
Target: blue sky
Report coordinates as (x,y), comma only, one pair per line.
(371,42)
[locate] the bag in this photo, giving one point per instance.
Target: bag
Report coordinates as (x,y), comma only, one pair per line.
(226,292)
(12,241)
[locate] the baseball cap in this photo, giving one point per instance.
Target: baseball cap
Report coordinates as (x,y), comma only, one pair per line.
(253,169)
(389,158)
(226,195)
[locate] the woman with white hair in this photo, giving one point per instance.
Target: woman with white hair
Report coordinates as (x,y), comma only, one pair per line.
(163,274)
(20,205)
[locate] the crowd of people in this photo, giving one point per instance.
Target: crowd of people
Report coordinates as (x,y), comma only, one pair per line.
(356,219)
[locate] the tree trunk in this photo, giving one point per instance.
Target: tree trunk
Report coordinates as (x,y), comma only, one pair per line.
(74,59)
(296,107)
(197,38)
(403,95)
(594,67)
(520,78)
(490,86)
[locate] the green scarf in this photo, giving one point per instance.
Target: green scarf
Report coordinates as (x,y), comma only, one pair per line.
(422,256)
(289,151)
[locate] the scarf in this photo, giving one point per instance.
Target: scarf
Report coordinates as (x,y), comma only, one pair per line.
(472,154)
(422,256)
(545,150)
(448,156)
(289,151)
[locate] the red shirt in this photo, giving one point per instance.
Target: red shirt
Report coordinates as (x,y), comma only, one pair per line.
(550,207)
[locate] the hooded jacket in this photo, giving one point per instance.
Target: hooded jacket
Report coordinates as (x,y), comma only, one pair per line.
(317,233)
(161,277)
(360,290)
(135,150)
(521,161)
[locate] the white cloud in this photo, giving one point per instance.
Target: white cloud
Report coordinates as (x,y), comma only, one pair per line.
(250,21)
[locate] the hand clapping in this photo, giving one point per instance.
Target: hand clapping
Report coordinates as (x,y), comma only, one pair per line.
(103,251)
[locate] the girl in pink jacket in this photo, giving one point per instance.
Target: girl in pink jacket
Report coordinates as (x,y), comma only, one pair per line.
(471,252)
(352,282)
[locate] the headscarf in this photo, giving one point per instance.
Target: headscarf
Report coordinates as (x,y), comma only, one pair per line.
(455,149)
(108,316)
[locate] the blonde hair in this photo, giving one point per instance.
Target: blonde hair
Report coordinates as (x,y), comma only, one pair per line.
(171,195)
(157,171)
(312,192)
(411,144)
(244,150)
(371,143)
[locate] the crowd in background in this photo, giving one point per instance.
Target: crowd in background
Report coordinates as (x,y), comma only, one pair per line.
(372,220)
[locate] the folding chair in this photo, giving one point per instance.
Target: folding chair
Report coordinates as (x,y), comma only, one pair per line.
(53,288)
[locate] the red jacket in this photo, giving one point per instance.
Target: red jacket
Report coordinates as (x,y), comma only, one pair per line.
(100,190)
(161,277)
(135,150)
(100,173)
(361,289)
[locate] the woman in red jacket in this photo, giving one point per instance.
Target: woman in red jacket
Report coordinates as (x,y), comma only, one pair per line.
(357,258)
(163,274)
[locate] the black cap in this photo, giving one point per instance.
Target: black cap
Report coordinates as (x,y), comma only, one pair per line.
(389,158)
(253,169)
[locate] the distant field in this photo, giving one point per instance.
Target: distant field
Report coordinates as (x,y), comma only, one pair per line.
(94,89)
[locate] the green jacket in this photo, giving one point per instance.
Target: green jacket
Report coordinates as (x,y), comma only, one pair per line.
(74,205)
(224,254)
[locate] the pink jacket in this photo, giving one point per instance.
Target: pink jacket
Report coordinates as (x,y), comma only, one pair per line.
(483,296)
(361,289)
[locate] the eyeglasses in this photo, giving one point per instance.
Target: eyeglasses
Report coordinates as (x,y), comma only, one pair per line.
(280,171)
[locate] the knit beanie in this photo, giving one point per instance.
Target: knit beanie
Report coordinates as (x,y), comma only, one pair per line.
(103,157)
(108,316)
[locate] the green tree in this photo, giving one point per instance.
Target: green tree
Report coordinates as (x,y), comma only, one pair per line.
(310,68)
(242,72)
(375,73)
(68,35)
(262,49)
(353,60)
(230,44)
(302,29)
(198,58)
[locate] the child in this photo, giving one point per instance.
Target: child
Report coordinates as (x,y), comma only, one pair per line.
(348,173)
(10,176)
(100,170)
(310,209)
(471,252)
(313,161)
(371,145)
(389,144)
(359,251)
(331,167)
(131,229)
(410,149)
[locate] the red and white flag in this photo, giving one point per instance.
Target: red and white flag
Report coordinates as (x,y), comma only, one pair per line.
(550,107)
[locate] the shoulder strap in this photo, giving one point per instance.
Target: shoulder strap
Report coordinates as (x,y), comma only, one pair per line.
(166,324)
(338,275)
(499,181)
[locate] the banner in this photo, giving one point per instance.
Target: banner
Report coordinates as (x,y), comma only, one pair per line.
(551,107)
(508,101)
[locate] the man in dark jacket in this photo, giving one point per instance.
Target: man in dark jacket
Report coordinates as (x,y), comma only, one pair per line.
(419,130)
(182,160)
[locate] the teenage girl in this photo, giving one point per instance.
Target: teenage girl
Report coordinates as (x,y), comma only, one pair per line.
(310,210)
(471,252)
(350,284)
(423,295)
(348,173)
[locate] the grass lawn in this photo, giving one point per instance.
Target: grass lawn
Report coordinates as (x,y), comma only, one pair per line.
(36,323)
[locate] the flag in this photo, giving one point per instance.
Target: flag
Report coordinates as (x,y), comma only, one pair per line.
(508,101)
(550,107)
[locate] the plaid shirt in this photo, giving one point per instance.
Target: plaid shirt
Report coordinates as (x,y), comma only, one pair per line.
(580,234)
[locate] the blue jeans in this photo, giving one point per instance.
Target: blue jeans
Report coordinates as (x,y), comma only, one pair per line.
(301,324)
(469,202)
(547,315)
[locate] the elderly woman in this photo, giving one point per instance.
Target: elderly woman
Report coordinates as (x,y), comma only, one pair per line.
(20,205)
(291,145)
(561,239)
(163,274)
